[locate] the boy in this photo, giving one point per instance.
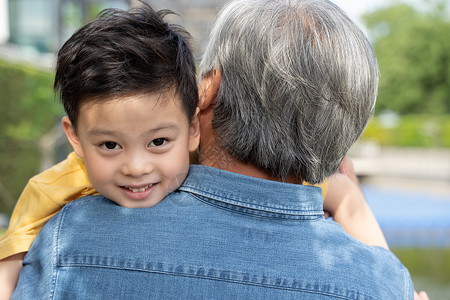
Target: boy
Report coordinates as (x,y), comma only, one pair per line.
(128,85)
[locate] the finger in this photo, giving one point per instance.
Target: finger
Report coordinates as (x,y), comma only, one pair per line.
(421,296)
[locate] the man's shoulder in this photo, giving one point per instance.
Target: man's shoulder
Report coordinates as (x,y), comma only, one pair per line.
(274,254)
(88,203)
(373,270)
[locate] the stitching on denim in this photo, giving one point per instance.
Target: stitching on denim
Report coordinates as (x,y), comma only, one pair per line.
(55,252)
(255,212)
(290,287)
(196,187)
(256,206)
(407,282)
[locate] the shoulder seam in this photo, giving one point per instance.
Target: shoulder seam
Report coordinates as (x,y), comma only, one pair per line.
(55,252)
(407,283)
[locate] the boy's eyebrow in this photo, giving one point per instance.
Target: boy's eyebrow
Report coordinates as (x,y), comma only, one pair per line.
(168,125)
(100,132)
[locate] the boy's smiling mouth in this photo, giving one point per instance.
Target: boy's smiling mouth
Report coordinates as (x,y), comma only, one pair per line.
(136,190)
(139,192)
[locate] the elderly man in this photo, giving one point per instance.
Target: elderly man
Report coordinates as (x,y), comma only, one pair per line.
(287,87)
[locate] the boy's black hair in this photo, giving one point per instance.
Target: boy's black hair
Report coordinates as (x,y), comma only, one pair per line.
(124,53)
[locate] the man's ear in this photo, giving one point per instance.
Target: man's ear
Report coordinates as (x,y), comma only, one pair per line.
(194,131)
(72,136)
(208,89)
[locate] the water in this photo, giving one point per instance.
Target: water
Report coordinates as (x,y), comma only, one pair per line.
(417,228)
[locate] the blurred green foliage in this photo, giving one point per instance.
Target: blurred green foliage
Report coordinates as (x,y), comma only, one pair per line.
(28,111)
(429,268)
(426,262)
(413,50)
(410,131)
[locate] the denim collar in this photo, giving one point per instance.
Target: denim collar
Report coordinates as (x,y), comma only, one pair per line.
(253,193)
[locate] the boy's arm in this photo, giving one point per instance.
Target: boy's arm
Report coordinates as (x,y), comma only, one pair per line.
(346,204)
(44,195)
(9,274)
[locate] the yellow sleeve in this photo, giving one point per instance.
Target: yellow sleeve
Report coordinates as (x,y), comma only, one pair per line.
(44,195)
(323,186)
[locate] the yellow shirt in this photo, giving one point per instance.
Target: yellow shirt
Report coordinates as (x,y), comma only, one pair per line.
(44,195)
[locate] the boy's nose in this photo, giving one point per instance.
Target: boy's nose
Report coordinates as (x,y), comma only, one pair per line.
(136,166)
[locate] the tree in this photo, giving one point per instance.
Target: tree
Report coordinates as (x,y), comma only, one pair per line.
(28,111)
(413,50)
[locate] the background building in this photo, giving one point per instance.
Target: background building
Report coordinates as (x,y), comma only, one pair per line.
(4,22)
(44,25)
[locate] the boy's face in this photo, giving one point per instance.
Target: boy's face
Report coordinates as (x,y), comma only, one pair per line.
(136,148)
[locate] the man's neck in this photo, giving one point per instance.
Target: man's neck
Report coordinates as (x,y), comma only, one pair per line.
(212,155)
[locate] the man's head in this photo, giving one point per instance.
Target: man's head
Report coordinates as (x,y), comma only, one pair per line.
(298,84)
(128,85)
(122,53)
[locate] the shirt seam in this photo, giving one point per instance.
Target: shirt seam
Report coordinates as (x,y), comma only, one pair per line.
(290,288)
(56,249)
(407,288)
(261,213)
(250,205)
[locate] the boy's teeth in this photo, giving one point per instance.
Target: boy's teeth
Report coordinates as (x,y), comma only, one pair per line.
(140,189)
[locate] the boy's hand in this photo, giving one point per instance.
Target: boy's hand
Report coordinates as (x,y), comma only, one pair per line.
(346,168)
(9,274)
(345,202)
(421,296)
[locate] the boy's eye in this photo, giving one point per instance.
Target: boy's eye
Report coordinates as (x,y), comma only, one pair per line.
(158,142)
(110,145)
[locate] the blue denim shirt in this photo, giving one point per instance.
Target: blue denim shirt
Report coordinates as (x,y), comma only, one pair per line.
(220,236)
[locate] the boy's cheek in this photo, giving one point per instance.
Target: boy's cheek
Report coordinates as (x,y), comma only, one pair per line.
(97,168)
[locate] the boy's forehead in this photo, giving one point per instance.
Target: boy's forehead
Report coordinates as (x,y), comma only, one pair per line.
(153,99)
(132,113)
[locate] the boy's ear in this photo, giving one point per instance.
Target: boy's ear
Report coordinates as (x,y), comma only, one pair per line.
(194,131)
(72,136)
(208,89)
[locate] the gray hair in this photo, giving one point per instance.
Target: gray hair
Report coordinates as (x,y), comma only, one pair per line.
(299,84)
